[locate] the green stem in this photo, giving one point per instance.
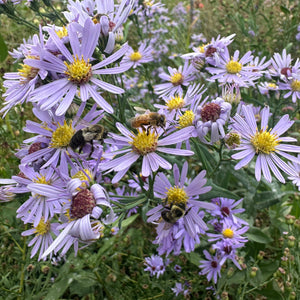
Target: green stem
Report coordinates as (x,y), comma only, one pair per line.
(23,268)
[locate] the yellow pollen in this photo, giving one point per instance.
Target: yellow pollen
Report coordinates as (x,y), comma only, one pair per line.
(272,85)
(135,56)
(233,67)
(79,71)
(42,228)
(62,32)
(228,233)
(144,142)
(201,48)
(264,142)
(176,195)
(177,79)
(61,137)
(176,102)
(148,3)
(186,119)
(80,174)
(27,72)
(295,85)
(41,180)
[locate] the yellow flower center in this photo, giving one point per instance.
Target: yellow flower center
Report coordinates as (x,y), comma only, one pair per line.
(177,79)
(61,137)
(264,142)
(186,119)
(176,195)
(233,67)
(135,56)
(41,180)
(234,139)
(176,102)
(272,85)
(83,177)
(295,85)
(144,142)
(228,233)
(79,71)
(62,32)
(148,3)
(201,48)
(43,227)
(27,72)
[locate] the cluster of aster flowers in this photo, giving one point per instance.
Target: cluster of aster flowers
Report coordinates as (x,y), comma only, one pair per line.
(228,237)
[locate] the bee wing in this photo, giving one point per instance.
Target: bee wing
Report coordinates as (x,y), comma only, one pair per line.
(82,124)
(140,110)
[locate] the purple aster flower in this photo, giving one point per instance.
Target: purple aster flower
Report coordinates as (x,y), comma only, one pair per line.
(136,58)
(177,268)
(281,65)
(213,117)
(211,266)
(76,71)
(154,265)
(182,194)
(180,289)
(231,93)
(296,166)
(234,70)
(83,218)
(265,144)
(292,85)
(177,78)
(266,87)
(43,237)
(6,194)
(145,145)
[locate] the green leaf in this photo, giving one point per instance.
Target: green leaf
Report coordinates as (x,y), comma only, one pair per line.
(58,288)
(193,257)
(129,220)
(284,10)
(218,191)
(256,235)
(3,49)
(267,199)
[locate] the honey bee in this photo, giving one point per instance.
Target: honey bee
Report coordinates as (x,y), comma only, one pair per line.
(87,135)
(150,119)
(173,213)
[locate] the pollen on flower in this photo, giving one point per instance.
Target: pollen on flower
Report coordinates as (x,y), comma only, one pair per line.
(264,142)
(43,227)
(79,71)
(84,176)
(233,67)
(41,180)
(186,119)
(272,86)
(175,102)
(61,137)
(228,233)
(27,72)
(176,195)
(135,56)
(210,112)
(82,204)
(295,85)
(144,142)
(233,139)
(201,48)
(177,79)
(62,32)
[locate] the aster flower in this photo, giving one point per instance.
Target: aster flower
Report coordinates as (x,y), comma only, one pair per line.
(266,87)
(211,267)
(296,166)
(145,145)
(76,71)
(182,194)
(42,237)
(154,265)
(179,289)
(213,117)
(136,58)
(6,193)
(83,218)
(265,144)
(292,85)
(234,70)
(177,78)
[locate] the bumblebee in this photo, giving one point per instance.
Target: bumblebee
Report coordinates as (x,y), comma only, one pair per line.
(150,119)
(87,135)
(173,213)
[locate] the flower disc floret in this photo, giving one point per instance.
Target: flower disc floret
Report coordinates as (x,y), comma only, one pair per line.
(228,233)
(61,137)
(175,102)
(295,85)
(135,56)
(176,195)
(79,71)
(211,112)
(43,227)
(233,67)
(82,204)
(62,32)
(264,142)
(177,79)
(144,142)
(234,139)
(41,180)
(27,72)
(186,119)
